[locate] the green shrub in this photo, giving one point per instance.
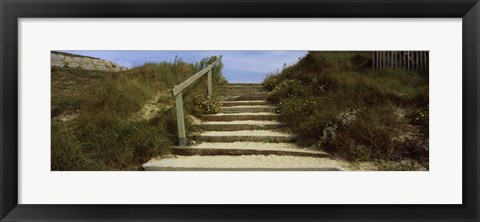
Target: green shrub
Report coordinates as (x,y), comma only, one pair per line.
(287,89)
(207,104)
(271,81)
(335,101)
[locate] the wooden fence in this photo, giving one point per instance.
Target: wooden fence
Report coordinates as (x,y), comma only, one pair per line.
(411,60)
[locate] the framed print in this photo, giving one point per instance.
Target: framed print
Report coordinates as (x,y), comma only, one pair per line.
(255,110)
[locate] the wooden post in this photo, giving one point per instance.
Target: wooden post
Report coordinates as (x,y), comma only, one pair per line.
(408,59)
(409,62)
(388,59)
(421,59)
(182,139)
(379,57)
(373,60)
(379,60)
(383,60)
(377,63)
(391,59)
(387,56)
(209,77)
(412,62)
(411,59)
(426,59)
(414,66)
(418,59)
(395,59)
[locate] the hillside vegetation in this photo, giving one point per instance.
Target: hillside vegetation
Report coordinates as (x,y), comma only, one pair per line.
(119,120)
(334,100)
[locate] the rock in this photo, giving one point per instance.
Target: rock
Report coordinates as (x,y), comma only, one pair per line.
(89,63)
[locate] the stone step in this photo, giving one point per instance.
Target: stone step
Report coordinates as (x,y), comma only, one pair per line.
(246,109)
(246,93)
(246,135)
(238,125)
(241,90)
(242,98)
(239,116)
(242,85)
(243,163)
(248,148)
(245,103)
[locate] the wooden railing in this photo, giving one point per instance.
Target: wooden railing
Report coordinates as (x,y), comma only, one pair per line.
(177,93)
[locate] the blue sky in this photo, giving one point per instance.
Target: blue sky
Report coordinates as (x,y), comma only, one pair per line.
(239,66)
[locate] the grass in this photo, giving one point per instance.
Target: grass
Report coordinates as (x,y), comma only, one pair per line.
(105,133)
(334,100)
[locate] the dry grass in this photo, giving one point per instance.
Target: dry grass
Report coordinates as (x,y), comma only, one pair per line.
(105,133)
(335,101)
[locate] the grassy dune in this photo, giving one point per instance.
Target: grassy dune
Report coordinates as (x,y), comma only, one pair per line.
(99,120)
(336,101)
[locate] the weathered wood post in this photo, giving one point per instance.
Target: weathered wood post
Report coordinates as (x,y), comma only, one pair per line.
(417,61)
(209,77)
(373,60)
(382,60)
(394,59)
(177,93)
(385,56)
(390,59)
(426,59)
(408,59)
(397,59)
(421,59)
(182,138)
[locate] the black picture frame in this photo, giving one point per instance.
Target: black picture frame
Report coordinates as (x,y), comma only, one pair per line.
(11,11)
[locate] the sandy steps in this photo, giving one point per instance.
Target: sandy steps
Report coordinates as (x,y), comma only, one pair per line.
(246,109)
(243,85)
(243,98)
(238,125)
(247,94)
(245,135)
(239,116)
(248,148)
(243,163)
(245,103)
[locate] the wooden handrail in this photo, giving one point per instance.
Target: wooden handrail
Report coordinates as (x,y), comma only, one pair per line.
(180,87)
(177,92)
